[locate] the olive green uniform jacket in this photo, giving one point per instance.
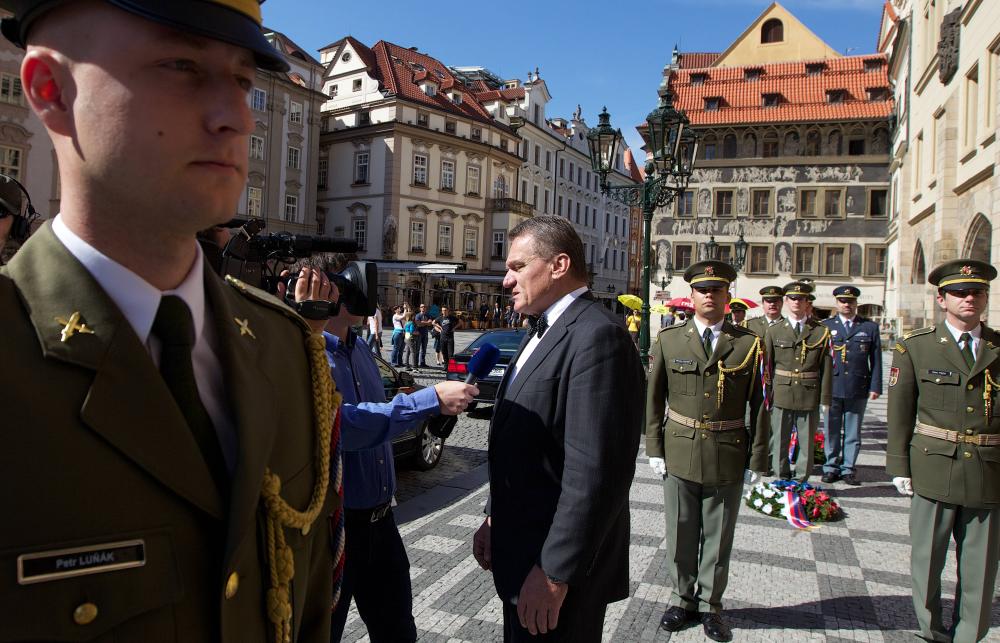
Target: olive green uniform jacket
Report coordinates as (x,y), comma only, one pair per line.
(96,452)
(681,376)
(757,325)
(931,383)
(785,353)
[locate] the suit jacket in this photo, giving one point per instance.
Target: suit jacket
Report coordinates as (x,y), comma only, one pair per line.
(931,383)
(682,376)
(102,455)
(785,353)
(857,357)
(562,450)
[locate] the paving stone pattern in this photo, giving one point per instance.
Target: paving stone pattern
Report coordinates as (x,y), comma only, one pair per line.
(845,581)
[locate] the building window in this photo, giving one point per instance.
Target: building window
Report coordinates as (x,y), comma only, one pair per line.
(364,117)
(760,259)
(877,202)
(472,180)
(562,166)
(450,126)
(836,95)
(416,236)
(444,239)
(360,168)
(291,207)
(814,143)
(856,147)
(545,202)
(471,242)
(833,203)
(771,100)
(419,169)
(256,148)
(322,172)
(760,203)
(683,254)
(752,75)
(712,103)
(423,119)
(559,203)
(685,204)
(295,113)
(10,89)
(294,158)
(255,201)
(534,196)
(709,151)
(971,123)
(548,160)
(835,260)
(499,249)
(569,209)
(356,85)
(807,203)
(805,259)
(538,155)
(875,257)
(772,31)
(877,93)
(332,91)
(258,100)
(769,147)
(360,232)
(698,79)
(729,146)
(448,175)
(815,69)
(723,203)
(873,64)
(477,134)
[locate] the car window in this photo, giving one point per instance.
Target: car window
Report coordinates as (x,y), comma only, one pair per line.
(388,378)
(507,341)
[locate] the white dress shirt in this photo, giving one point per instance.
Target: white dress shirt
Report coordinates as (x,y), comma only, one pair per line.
(793,321)
(716,329)
(977,335)
(551,315)
(848,323)
(139,300)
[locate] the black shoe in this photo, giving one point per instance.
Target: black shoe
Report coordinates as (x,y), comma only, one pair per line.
(715,628)
(676,617)
(830,478)
(851,480)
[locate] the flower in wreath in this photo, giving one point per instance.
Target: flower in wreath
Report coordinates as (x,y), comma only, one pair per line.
(768,509)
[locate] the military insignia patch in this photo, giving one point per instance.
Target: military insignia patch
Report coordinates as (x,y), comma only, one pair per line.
(966,270)
(900,347)
(833,332)
(893,375)
(710,271)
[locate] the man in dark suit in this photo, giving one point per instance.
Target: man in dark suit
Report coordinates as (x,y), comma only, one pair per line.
(562,448)
(857,377)
(170,442)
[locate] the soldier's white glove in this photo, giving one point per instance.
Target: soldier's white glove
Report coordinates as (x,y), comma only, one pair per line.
(659,466)
(750,478)
(903,485)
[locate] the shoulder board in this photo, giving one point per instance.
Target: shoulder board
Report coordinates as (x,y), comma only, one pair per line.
(742,330)
(266,299)
(673,327)
(918,332)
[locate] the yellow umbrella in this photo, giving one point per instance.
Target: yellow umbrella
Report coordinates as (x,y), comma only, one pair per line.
(659,309)
(630,301)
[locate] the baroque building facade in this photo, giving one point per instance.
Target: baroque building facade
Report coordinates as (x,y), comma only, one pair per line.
(944,59)
(793,161)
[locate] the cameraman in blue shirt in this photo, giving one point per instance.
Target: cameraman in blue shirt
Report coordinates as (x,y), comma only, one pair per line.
(376,569)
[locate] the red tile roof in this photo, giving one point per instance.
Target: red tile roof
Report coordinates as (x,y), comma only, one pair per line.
(516,93)
(803,97)
(692,60)
(366,54)
(632,168)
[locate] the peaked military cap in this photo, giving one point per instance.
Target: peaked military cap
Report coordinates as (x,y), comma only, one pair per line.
(237,22)
(772,291)
(710,274)
(799,288)
(962,274)
(847,292)
(738,305)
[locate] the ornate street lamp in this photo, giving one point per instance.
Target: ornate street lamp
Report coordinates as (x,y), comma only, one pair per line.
(711,249)
(740,254)
(674,149)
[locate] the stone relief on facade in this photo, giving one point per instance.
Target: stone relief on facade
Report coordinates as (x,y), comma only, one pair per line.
(948,46)
(880,142)
(844,174)
(783,174)
(707,176)
(663,256)
(705,202)
(742,201)
(786,200)
(783,257)
(389,236)
(792,146)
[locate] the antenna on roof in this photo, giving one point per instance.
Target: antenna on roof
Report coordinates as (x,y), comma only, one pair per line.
(849,50)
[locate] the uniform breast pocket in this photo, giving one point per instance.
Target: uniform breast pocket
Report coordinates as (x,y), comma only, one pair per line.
(684,377)
(931,461)
(83,590)
(939,389)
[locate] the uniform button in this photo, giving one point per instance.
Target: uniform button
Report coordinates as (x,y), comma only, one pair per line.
(381,461)
(969,409)
(232,585)
(968,432)
(704,436)
(796,370)
(968,387)
(384,489)
(967,454)
(937,380)
(707,394)
(85,614)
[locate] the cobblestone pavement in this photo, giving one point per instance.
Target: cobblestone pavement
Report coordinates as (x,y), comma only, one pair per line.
(845,581)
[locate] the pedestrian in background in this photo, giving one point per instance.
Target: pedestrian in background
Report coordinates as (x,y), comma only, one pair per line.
(446,325)
(397,340)
(375,331)
(857,378)
(411,354)
(423,322)
(634,321)
(944,435)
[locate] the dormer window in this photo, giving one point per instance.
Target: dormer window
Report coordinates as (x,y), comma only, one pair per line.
(430,89)
(878,93)
(815,69)
(836,95)
(771,100)
(873,64)
(698,79)
(752,75)
(712,103)
(456,97)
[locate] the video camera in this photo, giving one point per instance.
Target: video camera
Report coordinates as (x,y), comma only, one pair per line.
(12,204)
(254,258)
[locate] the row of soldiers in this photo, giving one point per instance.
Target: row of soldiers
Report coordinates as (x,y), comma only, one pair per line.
(724,400)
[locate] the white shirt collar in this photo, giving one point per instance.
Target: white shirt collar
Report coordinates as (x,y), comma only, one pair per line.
(135,297)
(794,320)
(716,328)
(553,312)
(976,332)
(844,320)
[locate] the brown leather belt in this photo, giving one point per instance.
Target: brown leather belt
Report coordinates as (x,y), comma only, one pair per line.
(806,375)
(982,439)
(717,425)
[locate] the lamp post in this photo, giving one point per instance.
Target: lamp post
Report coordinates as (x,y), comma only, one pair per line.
(674,149)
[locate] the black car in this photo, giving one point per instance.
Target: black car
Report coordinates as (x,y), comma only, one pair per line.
(416,447)
(508,340)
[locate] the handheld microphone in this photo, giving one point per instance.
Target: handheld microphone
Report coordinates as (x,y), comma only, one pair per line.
(482,362)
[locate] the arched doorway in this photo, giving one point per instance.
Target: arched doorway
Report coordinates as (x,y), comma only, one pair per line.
(978,240)
(918,275)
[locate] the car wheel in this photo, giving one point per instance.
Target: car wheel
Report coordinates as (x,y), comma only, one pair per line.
(429,449)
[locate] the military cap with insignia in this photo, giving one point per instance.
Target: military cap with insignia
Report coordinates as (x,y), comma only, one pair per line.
(237,22)
(738,305)
(847,292)
(710,274)
(799,289)
(772,291)
(963,274)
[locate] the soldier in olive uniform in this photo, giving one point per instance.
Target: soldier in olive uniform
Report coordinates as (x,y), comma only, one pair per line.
(706,370)
(944,450)
(857,378)
(772,298)
(167,446)
(798,375)
(739,313)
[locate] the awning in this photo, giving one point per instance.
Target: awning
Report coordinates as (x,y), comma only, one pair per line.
(422,268)
(475,279)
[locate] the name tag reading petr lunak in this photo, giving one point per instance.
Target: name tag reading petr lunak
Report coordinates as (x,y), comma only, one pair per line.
(43,566)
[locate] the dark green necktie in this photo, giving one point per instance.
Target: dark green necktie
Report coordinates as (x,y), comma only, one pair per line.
(798,329)
(707,341)
(970,357)
(174,327)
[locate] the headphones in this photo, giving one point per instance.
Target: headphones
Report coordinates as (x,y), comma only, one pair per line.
(10,193)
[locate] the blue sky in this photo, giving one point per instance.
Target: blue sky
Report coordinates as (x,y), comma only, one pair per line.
(592,53)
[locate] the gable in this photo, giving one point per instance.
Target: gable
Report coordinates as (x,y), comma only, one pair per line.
(797,42)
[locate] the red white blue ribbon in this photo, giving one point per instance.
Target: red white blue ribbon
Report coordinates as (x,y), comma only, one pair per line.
(796,511)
